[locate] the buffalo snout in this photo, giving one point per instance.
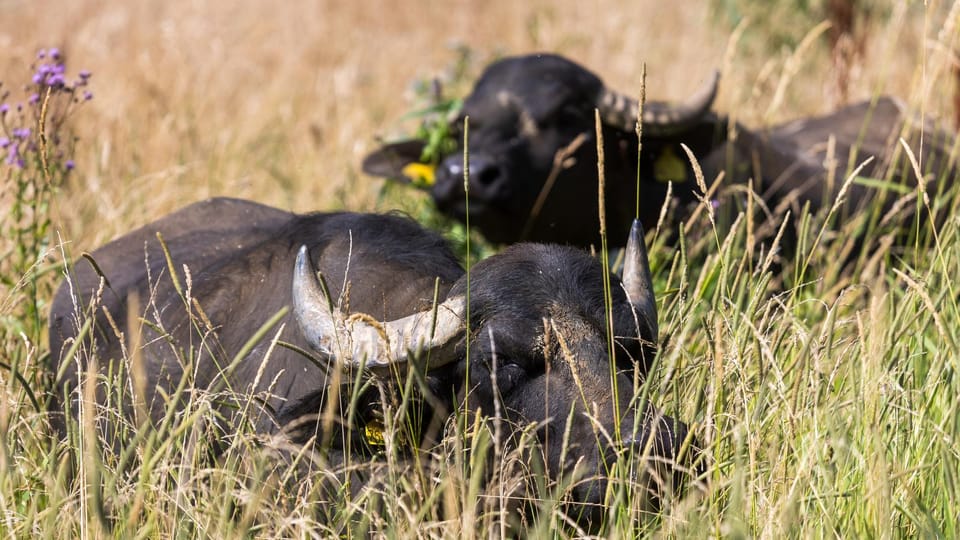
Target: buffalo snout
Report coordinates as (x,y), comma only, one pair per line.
(663,458)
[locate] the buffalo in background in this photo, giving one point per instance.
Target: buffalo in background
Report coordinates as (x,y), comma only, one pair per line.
(525,110)
(394,299)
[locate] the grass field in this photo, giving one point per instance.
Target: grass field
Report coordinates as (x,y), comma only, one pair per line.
(828,409)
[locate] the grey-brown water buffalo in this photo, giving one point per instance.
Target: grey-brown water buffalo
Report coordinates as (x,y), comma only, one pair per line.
(537,342)
(524,110)
(808,161)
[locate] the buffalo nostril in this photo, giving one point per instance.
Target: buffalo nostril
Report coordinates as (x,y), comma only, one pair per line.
(484,180)
(485,174)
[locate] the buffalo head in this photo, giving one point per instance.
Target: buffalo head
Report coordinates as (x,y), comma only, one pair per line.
(536,348)
(525,111)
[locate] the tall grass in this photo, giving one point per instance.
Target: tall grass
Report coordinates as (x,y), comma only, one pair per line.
(828,407)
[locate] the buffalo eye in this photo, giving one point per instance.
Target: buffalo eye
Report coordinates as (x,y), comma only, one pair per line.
(508,374)
(570,115)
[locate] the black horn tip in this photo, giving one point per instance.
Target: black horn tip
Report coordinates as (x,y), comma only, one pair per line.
(636,232)
(303,259)
(636,242)
(636,273)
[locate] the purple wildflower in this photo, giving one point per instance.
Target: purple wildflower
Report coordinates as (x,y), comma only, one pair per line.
(55,80)
(84,78)
(19,145)
(14,158)
(50,74)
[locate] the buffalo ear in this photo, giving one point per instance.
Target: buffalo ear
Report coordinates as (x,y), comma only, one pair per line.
(391,160)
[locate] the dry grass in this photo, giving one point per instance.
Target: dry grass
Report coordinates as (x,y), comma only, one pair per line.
(278,102)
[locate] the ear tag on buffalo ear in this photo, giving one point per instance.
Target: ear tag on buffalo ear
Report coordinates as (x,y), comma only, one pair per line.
(420,174)
(373,432)
(668,167)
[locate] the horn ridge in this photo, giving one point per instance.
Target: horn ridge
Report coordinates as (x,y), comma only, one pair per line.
(659,118)
(359,340)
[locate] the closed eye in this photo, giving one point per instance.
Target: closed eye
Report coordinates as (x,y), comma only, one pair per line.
(569,115)
(508,374)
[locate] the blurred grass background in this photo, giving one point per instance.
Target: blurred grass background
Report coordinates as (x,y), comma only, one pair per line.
(278,102)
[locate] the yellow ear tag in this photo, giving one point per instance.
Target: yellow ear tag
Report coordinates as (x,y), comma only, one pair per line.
(373,431)
(421,174)
(669,168)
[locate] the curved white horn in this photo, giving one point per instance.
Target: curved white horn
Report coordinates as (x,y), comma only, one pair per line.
(659,118)
(361,341)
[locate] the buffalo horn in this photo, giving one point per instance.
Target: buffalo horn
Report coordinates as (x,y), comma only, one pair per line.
(637,282)
(659,118)
(359,340)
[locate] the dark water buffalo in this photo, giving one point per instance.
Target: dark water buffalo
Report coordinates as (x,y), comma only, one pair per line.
(537,340)
(524,110)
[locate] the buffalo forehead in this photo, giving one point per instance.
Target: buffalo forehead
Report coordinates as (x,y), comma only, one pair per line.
(579,352)
(572,334)
(531,282)
(535,85)
(531,72)
(558,329)
(526,124)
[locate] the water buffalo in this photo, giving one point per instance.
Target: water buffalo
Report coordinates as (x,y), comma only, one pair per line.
(525,110)
(537,340)
(806,161)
